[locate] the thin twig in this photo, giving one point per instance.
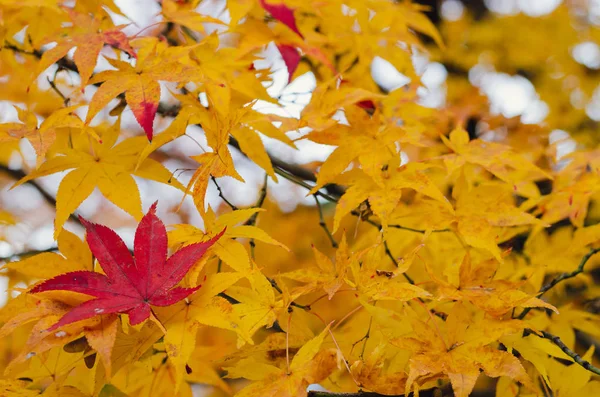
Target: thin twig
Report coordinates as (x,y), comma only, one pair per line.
(322,223)
(410,229)
(278,289)
(365,338)
(562,277)
(395,262)
(576,357)
(52,83)
(51,200)
(252,220)
(23,254)
(233,207)
(299,181)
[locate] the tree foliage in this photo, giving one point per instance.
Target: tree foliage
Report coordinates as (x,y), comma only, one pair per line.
(440,240)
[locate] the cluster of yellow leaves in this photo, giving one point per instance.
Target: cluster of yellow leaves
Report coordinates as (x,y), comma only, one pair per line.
(442,238)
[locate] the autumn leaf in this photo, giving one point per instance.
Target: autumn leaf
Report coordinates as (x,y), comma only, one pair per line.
(131,284)
(282,13)
(459,352)
(139,83)
(89,41)
(187,17)
(43,137)
(498,159)
(372,284)
(326,274)
(99,164)
(309,365)
(476,284)
(228,248)
(384,197)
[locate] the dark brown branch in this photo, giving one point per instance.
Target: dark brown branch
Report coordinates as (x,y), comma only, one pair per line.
(252,221)
(23,254)
(323,224)
(423,393)
(562,277)
(576,357)
(232,206)
(19,174)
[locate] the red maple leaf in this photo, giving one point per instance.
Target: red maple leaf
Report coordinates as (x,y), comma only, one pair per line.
(131,284)
(283,14)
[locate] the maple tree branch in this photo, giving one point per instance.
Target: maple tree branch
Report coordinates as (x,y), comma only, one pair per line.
(322,223)
(19,174)
(252,220)
(576,357)
(562,277)
(52,83)
(233,207)
(395,262)
(63,63)
(278,289)
(23,254)
(298,181)
(424,393)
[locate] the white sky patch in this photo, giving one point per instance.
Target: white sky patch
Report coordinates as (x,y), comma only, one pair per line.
(452,10)
(534,8)
(386,75)
(592,109)
(433,94)
(509,95)
(564,143)
(587,54)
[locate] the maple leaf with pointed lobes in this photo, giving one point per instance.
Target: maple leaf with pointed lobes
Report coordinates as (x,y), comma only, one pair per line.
(42,137)
(326,275)
(131,284)
(89,42)
(101,165)
(139,82)
(459,350)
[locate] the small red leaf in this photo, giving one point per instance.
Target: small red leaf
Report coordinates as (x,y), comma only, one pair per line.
(291,57)
(283,14)
(366,104)
(131,284)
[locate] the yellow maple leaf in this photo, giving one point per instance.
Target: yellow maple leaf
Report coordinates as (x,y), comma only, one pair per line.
(500,160)
(459,350)
(88,36)
(477,285)
(384,198)
(309,365)
(326,275)
(227,248)
(43,137)
(103,166)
